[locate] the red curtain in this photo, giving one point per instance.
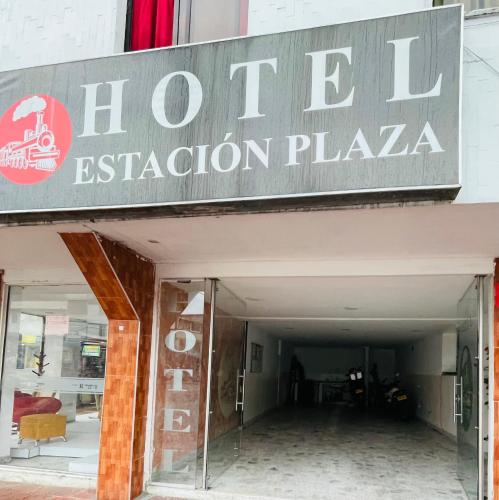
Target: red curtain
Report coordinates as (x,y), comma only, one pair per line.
(152,24)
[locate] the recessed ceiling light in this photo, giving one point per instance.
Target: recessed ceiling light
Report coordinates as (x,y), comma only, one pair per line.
(153,241)
(351,308)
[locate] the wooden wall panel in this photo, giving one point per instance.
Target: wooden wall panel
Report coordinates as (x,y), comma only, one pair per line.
(123,283)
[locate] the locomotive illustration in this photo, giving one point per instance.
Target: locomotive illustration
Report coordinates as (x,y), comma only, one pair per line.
(37,150)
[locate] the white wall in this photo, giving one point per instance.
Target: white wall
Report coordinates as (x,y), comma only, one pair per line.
(271,16)
(261,388)
(37,32)
(480,110)
(287,350)
(334,362)
(422,357)
(420,365)
(329,362)
(386,361)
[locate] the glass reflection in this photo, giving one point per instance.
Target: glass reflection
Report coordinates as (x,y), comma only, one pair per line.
(53,378)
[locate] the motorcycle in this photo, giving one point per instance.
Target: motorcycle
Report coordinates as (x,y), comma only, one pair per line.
(397,400)
(356,385)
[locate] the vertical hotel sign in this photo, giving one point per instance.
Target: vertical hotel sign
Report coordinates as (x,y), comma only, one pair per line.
(180,384)
(362,109)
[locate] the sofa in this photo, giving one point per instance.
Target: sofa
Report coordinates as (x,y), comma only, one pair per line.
(26,404)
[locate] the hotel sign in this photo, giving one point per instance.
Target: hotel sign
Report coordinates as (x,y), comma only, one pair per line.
(352,109)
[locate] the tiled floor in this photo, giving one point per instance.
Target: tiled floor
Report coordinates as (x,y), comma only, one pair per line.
(21,491)
(313,454)
(337,454)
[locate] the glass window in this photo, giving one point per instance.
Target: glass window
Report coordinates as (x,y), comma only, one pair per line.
(469,5)
(207,24)
(176,22)
(149,24)
(53,378)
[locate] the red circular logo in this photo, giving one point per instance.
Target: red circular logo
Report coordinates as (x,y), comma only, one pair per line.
(35,137)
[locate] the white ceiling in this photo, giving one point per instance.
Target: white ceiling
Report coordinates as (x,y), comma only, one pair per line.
(380,310)
(441,231)
(257,244)
(345,333)
(376,233)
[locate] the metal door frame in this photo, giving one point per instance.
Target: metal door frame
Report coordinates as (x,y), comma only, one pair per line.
(486,488)
(480,381)
(213,287)
(479,283)
(4,300)
(489,279)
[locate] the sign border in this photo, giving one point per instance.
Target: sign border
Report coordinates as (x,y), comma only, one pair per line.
(450,188)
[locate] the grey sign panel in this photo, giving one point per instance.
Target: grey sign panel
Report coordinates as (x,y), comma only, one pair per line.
(358,108)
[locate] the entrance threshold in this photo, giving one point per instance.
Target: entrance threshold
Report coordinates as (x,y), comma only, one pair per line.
(172,492)
(16,474)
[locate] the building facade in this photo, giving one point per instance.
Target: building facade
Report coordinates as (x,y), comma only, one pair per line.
(199,237)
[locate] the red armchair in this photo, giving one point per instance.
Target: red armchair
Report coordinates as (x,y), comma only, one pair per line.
(25,404)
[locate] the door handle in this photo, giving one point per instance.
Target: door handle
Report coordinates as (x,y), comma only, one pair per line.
(237,390)
(241,375)
(458,399)
(244,389)
(454,406)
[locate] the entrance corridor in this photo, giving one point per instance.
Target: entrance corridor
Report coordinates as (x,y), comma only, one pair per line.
(335,453)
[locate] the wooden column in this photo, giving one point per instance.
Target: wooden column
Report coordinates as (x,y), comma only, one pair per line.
(123,283)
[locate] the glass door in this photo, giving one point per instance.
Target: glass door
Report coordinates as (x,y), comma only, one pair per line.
(180,391)
(468,389)
(226,384)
